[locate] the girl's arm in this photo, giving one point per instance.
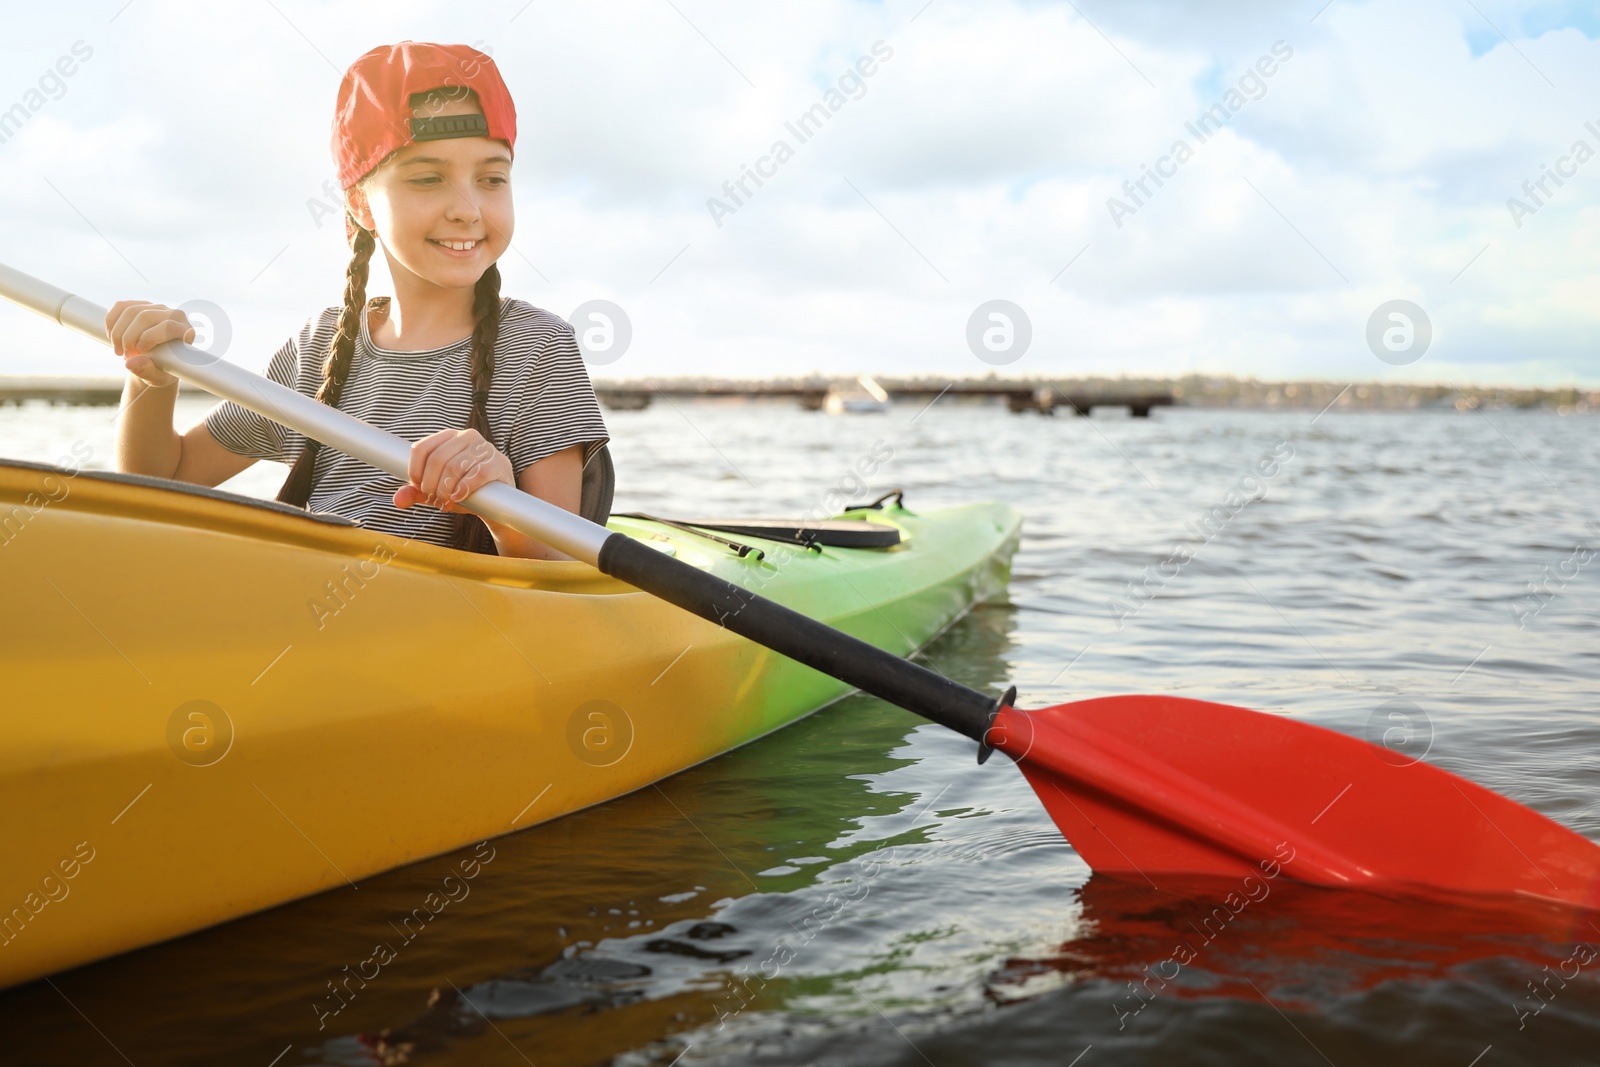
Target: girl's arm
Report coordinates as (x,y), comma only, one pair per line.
(558,479)
(146,440)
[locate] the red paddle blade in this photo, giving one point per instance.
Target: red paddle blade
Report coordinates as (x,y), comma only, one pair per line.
(1146,785)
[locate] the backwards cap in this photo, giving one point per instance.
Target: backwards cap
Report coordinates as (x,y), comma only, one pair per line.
(373,115)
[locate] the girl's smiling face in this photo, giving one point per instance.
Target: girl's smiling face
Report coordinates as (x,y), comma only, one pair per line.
(442,209)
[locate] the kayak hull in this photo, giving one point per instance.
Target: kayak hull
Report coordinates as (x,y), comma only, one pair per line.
(213,708)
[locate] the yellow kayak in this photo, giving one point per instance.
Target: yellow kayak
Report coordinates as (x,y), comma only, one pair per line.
(214,704)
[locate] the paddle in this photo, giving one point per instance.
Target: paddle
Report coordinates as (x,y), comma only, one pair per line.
(1140,785)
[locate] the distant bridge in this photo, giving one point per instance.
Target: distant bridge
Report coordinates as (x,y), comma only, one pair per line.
(1019,396)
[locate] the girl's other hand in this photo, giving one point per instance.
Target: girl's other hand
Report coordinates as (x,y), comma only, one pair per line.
(449,466)
(137,326)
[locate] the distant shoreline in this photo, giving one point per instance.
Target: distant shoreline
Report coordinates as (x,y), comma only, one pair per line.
(1196,391)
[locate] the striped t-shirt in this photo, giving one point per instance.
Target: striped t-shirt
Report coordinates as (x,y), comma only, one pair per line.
(540,402)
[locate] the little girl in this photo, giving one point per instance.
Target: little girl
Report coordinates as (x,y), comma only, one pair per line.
(423,138)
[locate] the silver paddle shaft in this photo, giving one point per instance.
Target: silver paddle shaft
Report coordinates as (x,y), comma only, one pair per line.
(555,526)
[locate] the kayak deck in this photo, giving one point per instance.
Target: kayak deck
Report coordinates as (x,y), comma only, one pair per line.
(230,706)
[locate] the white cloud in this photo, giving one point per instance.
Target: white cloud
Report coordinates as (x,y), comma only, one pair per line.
(989,143)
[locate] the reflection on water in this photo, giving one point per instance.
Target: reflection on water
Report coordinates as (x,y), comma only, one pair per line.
(857,890)
(1294,945)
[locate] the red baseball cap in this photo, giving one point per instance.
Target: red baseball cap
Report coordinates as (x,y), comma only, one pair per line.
(373,115)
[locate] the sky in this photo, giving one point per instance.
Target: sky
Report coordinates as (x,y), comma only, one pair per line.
(1358,154)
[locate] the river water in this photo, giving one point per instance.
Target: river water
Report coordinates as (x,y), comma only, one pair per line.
(1386,557)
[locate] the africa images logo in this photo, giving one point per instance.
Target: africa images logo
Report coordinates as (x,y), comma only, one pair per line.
(52,81)
(1252,85)
(803,128)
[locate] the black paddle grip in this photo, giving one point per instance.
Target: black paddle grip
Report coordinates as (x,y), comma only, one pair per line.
(803,639)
